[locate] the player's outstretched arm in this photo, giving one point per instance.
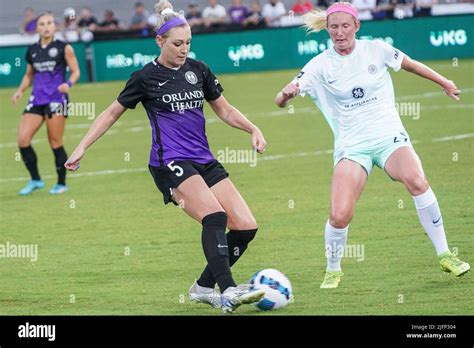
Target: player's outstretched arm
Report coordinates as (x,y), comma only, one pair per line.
(105,120)
(290,91)
(233,117)
(422,70)
(25,83)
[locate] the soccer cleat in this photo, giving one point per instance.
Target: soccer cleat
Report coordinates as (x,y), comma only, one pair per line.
(58,189)
(205,295)
(450,263)
(233,297)
(31,186)
(331,279)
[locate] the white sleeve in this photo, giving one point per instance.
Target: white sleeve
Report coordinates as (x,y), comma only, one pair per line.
(391,56)
(307,80)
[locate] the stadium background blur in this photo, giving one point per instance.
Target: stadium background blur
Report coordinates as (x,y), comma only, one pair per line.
(109,246)
(139,17)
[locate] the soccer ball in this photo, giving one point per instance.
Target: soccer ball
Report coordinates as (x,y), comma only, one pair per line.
(278,292)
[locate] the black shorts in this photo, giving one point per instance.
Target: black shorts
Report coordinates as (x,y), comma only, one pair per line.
(49,110)
(171,176)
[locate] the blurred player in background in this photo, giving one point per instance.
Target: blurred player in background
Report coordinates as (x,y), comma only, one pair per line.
(47,61)
(351,86)
(172,88)
(29,22)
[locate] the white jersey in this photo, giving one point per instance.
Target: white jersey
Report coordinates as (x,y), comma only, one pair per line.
(355,92)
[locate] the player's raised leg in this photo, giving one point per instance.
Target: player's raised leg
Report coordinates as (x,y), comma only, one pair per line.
(348,182)
(405,166)
(199,202)
(240,221)
(29,125)
(56,126)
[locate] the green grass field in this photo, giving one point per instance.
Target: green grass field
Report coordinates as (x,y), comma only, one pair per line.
(110,246)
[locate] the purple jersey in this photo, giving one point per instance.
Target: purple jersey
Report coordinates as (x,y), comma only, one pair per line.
(49,72)
(238,13)
(173,100)
(30,27)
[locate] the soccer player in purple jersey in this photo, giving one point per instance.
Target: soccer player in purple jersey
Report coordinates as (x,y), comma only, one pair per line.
(46,68)
(172,89)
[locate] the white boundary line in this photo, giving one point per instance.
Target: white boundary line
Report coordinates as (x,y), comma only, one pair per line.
(265,158)
(141,127)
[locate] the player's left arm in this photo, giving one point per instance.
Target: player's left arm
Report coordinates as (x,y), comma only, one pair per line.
(233,117)
(422,70)
(74,71)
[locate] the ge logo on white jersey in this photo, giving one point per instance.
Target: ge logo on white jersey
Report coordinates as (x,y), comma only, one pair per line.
(358,92)
(180,170)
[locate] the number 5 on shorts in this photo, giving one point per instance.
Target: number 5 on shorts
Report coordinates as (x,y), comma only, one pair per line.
(180,170)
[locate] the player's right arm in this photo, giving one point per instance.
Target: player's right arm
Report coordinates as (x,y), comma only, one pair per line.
(105,120)
(290,91)
(304,83)
(131,95)
(25,83)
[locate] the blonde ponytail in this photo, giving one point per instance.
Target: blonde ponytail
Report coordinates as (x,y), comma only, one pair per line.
(164,11)
(315,21)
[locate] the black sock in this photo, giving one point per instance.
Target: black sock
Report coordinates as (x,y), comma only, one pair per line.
(60,157)
(215,247)
(31,161)
(237,242)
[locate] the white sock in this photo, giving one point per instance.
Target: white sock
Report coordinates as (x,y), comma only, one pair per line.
(431,220)
(335,242)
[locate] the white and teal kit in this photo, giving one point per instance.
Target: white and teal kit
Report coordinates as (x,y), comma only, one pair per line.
(355,95)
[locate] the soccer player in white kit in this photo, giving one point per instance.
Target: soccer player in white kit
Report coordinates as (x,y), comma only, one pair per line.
(351,85)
